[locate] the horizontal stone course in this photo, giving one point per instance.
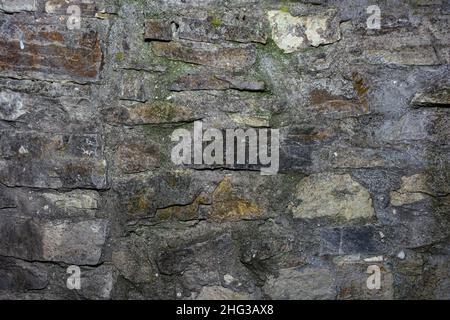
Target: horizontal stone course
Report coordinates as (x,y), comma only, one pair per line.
(221,56)
(79,243)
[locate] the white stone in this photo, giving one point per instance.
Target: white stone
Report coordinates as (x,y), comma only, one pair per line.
(294,33)
(401,255)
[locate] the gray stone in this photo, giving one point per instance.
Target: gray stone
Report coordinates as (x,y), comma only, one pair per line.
(157,29)
(18,5)
(20,275)
(221,293)
(216,82)
(353,277)
(97,284)
(301,284)
(352,240)
(51,160)
(86,177)
(79,243)
(231,26)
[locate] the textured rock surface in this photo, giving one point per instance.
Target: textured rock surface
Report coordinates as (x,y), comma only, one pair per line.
(86,178)
(333,195)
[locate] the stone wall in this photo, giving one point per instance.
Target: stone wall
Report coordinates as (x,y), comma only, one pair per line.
(86,178)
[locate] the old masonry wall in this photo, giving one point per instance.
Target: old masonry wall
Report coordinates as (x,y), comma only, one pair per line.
(91,91)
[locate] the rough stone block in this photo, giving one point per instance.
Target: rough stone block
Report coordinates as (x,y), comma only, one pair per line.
(79,243)
(223,56)
(332,195)
(301,284)
(12,6)
(234,26)
(51,160)
(157,29)
(39,50)
(292,34)
(352,240)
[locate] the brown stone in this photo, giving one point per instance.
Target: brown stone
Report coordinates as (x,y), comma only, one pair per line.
(155,112)
(139,156)
(183,212)
(224,56)
(42,52)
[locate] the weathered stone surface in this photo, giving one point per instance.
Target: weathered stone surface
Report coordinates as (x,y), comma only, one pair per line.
(138,87)
(221,293)
(51,160)
(227,204)
(11,108)
(301,284)
(40,51)
(85,200)
(7,200)
(239,27)
(48,106)
(215,82)
(438,97)
(79,243)
(414,188)
(156,112)
(132,262)
(97,284)
(40,112)
(158,29)
(137,156)
(18,5)
(352,279)
(223,56)
(198,263)
(352,240)
(292,34)
(86,177)
(20,275)
(332,195)
(251,120)
(199,82)
(408,46)
(88,8)
(220,198)
(418,187)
